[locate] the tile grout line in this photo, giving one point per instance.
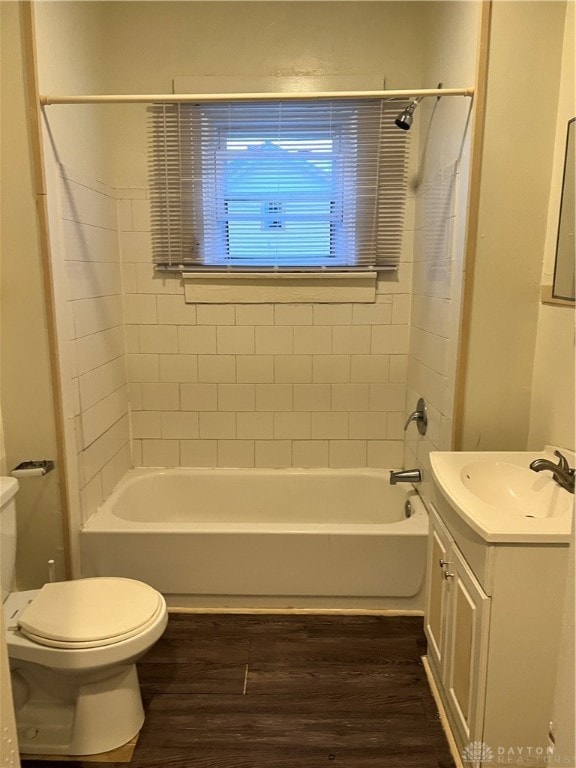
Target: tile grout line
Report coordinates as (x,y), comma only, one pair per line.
(245,681)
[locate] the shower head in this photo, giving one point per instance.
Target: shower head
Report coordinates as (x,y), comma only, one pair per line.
(404,119)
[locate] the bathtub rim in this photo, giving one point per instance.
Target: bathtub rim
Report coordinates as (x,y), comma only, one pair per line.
(105,520)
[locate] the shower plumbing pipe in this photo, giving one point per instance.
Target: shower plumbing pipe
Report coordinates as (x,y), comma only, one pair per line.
(171,98)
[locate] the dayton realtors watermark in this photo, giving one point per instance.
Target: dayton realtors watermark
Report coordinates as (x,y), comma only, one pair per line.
(480,752)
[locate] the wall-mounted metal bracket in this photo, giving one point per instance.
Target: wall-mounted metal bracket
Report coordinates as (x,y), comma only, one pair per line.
(33,468)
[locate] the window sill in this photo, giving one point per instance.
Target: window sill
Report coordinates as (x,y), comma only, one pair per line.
(278,288)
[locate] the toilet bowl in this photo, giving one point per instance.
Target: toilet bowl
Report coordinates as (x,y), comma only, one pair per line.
(73,648)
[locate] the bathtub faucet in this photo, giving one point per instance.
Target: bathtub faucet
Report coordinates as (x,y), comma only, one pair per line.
(405,476)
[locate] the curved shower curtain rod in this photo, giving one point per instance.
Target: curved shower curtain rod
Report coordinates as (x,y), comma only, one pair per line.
(182,98)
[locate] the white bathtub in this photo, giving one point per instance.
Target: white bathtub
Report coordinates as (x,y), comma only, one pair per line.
(263,538)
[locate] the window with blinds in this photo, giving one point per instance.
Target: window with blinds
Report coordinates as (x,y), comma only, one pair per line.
(277,185)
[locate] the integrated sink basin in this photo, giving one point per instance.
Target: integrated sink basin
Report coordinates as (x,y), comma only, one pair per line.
(512,489)
(501,498)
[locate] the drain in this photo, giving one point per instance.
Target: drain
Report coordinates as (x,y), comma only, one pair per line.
(530,516)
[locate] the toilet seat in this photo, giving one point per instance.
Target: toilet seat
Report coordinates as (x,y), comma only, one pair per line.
(90,613)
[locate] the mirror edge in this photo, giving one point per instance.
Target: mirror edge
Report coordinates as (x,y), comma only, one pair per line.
(551,294)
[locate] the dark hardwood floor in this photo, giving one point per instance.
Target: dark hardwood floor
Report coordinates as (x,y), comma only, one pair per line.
(235,691)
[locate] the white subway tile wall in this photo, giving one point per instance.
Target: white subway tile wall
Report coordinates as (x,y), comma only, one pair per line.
(434,316)
(250,385)
(92,268)
(264,385)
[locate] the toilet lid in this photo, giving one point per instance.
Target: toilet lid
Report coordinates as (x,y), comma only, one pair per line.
(88,613)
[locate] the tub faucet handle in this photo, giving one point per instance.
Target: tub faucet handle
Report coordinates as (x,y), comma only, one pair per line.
(414,416)
(420,416)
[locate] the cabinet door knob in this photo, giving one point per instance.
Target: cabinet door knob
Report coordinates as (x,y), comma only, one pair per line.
(442,563)
(448,575)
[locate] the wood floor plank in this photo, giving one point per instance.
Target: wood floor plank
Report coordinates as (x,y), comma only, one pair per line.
(367,627)
(341,705)
(194,677)
(324,679)
(209,650)
(294,757)
(395,651)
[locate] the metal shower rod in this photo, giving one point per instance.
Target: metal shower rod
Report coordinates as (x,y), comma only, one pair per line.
(171,98)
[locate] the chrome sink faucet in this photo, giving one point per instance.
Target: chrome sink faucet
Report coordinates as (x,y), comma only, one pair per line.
(561,472)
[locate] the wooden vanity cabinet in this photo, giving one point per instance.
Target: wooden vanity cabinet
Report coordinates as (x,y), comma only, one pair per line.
(492,623)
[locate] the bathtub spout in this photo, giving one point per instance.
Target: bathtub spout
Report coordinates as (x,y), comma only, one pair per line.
(405,476)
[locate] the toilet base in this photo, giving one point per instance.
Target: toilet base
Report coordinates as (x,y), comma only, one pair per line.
(60,719)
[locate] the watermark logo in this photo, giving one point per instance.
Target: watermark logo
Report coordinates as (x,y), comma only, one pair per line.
(477,752)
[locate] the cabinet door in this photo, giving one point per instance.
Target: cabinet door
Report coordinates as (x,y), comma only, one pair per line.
(467,648)
(436,619)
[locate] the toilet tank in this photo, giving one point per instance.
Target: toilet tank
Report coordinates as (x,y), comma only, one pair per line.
(8,489)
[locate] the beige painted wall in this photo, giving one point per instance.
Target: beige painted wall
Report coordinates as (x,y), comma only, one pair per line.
(152,43)
(71,40)
(553,387)
(523,78)
(25,384)
(552,407)
(3,465)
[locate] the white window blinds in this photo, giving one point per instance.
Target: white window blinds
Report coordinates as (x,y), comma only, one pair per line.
(295,185)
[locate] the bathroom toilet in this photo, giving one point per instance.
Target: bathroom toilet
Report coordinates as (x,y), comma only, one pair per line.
(73,647)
